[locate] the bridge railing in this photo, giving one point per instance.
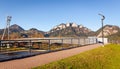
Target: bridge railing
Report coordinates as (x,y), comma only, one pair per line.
(114,41)
(42,45)
(45,43)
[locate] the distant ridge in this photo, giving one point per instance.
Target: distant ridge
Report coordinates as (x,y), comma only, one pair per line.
(62,30)
(18,32)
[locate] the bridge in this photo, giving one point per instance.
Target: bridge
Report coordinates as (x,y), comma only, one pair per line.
(26,47)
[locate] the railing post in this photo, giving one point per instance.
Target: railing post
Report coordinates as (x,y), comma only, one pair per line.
(39,44)
(30,46)
(89,41)
(62,43)
(49,44)
(71,42)
(0,46)
(96,41)
(84,41)
(78,41)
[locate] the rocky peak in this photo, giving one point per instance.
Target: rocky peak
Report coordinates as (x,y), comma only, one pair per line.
(63,26)
(108,30)
(69,29)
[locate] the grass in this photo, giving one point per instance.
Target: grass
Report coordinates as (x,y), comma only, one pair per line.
(107,57)
(13,49)
(16,49)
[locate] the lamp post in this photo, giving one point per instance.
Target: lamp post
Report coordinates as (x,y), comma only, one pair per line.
(103,17)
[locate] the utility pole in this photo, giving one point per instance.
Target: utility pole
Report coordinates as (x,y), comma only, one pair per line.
(103,17)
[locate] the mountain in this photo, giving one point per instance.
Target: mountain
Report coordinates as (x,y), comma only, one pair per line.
(34,33)
(16,28)
(63,30)
(13,29)
(115,36)
(69,30)
(108,30)
(18,32)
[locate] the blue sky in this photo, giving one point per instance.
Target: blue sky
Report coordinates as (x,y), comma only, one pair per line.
(45,14)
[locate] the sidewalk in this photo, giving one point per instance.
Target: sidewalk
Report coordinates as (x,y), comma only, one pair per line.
(30,62)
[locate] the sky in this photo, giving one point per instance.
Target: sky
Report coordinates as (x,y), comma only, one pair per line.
(45,14)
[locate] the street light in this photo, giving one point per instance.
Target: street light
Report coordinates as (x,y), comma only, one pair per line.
(103,17)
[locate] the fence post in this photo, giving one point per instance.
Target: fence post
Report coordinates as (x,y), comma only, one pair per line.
(89,41)
(84,41)
(39,44)
(78,41)
(30,46)
(93,41)
(49,45)
(62,43)
(0,46)
(71,42)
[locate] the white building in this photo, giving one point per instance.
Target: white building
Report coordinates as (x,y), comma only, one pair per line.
(105,40)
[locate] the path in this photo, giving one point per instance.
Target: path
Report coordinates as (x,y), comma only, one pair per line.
(28,63)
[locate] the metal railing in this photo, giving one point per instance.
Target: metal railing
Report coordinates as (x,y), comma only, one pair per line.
(114,41)
(31,46)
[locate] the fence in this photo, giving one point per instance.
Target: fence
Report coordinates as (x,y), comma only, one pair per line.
(114,41)
(12,49)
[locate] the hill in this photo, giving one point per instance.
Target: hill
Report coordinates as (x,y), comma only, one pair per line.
(108,30)
(33,33)
(63,30)
(17,31)
(115,36)
(69,30)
